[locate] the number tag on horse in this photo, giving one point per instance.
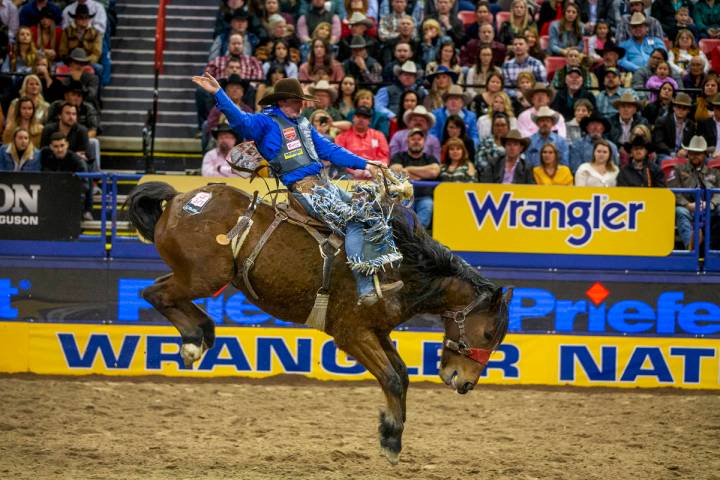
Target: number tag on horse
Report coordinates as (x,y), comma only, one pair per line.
(197,203)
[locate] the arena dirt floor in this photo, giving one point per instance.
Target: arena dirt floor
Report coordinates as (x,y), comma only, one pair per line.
(290,428)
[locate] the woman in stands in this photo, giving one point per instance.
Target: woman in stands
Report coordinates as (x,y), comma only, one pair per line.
(533,41)
(709,90)
(493,85)
(520,20)
(601,35)
(32,89)
(550,10)
(23,54)
(566,32)
(478,76)
(525,82)
(23,117)
(455,128)
(47,35)
(456,165)
(550,172)
(501,103)
(490,149)
(408,100)
(447,57)
(320,59)
(20,155)
(684,49)
(345,100)
(600,171)
(280,57)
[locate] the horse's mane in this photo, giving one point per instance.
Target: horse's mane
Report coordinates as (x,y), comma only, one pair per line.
(427,264)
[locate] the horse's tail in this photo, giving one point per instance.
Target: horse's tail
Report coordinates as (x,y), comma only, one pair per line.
(145,205)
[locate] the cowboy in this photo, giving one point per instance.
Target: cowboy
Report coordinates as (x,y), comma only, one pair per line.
(80,34)
(359,25)
(675,129)
(94,9)
(360,65)
(624,30)
(294,151)
(511,168)
(639,47)
(387,99)
(539,96)
(622,123)
(640,170)
(611,55)
(420,118)
(594,127)
(545,119)
(694,174)
(215,161)
(455,100)
(325,96)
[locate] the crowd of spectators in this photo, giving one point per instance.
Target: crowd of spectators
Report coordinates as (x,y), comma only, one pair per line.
(54,60)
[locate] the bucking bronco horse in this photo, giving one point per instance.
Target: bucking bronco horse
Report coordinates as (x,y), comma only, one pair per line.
(286,275)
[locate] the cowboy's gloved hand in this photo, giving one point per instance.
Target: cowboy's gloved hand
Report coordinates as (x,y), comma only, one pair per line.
(207,82)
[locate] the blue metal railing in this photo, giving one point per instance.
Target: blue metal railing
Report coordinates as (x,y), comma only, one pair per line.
(109,245)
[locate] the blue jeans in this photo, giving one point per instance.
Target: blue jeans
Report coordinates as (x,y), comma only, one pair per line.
(423,207)
(684,222)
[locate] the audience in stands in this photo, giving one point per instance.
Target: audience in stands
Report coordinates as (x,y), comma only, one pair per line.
(364,141)
(19,155)
(215,161)
(511,168)
(600,171)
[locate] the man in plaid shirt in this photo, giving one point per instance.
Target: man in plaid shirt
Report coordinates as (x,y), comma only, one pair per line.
(522,62)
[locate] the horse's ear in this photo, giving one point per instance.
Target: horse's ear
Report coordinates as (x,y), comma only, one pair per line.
(507,296)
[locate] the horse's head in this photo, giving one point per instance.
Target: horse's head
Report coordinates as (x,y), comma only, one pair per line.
(471,335)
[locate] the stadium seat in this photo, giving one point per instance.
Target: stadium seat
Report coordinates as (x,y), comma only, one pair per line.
(552,64)
(544,42)
(467,17)
(500,18)
(707,45)
(670,163)
(714,163)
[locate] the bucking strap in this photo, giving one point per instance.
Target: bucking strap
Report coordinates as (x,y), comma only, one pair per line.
(250,261)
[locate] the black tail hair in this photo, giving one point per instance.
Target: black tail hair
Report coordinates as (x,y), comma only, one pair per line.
(145,206)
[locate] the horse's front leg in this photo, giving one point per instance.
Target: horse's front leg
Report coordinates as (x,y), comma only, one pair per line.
(367,349)
(400,368)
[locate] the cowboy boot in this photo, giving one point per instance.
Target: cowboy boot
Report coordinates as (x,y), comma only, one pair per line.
(370,299)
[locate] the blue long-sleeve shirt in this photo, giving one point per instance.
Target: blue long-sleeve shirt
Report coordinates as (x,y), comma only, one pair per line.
(637,54)
(268,139)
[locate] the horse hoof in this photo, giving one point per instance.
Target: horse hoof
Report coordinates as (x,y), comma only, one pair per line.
(392,457)
(190,353)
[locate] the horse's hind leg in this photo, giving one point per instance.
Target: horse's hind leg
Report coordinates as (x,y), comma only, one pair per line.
(367,349)
(400,368)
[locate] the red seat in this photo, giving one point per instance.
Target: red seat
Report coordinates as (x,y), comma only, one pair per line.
(714,163)
(552,64)
(544,42)
(707,45)
(500,18)
(467,17)
(586,45)
(670,163)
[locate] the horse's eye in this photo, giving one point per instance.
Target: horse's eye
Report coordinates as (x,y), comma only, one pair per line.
(488,336)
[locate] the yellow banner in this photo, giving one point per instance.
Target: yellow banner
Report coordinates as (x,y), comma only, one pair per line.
(545,219)
(66,349)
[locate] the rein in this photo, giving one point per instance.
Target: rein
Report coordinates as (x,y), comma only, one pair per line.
(462,345)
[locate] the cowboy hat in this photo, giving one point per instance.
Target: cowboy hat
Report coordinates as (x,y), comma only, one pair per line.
(638,141)
(540,87)
(611,47)
(594,117)
(223,128)
(626,98)
(234,79)
(358,41)
(358,17)
(407,67)
(81,11)
(79,55)
(442,70)
(697,144)
(323,86)
(285,89)
(73,86)
(545,112)
(421,111)
(683,99)
(517,136)
(455,91)
(637,19)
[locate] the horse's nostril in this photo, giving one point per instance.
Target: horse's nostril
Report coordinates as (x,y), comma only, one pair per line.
(468,386)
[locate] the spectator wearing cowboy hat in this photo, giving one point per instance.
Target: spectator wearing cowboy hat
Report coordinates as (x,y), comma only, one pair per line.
(325,96)
(239,22)
(624,30)
(440,82)
(674,129)
(696,175)
(612,91)
(361,65)
(87,114)
(640,171)
(29,13)
(594,128)
(639,47)
(628,116)
(709,128)
(81,34)
(611,55)
(80,70)
(359,25)
(215,161)
(420,118)
(539,96)
(512,167)
(387,99)
(95,10)
(455,100)
(545,119)
(572,91)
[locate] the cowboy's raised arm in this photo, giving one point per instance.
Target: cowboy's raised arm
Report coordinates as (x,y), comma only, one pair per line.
(336,154)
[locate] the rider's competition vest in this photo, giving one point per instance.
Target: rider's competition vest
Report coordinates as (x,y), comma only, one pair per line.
(298,149)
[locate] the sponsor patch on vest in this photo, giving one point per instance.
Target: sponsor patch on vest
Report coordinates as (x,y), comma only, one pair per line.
(197,203)
(293,153)
(293,145)
(289,133)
